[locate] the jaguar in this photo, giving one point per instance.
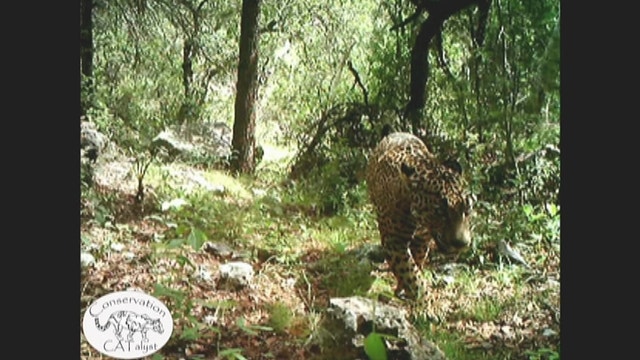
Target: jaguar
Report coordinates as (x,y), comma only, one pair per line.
(421,203)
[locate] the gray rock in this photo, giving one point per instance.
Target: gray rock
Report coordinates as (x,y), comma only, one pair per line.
(86,259)
(446,273)
(369,252)
(217,189)
(174,143)
(188,178)
(259,192)
(236,273)
(504,249)
(218,249)
(203,274)
(192,140)
(173,204)
(224,251)
(117,247)
(222,134)
(92,141)
(92,145)
(353,318)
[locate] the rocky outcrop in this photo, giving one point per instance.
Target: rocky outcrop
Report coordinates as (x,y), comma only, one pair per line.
(92,141)
(236,275)
(211,140)
(352,319)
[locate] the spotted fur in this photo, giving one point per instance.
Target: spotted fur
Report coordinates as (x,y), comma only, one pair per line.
(420,203)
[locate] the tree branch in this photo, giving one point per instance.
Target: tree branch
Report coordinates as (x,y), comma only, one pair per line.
(359,82)
(407,20)
(483,8)
(442,62)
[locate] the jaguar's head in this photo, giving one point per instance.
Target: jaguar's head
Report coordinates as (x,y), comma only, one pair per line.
(441,206)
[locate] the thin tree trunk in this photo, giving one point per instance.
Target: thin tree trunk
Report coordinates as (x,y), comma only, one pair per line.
(185,114)
(243,158)
(189,111)
(86,54)
(474,66)
(187,67)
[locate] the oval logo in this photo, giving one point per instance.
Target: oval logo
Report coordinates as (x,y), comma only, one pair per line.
(127,324)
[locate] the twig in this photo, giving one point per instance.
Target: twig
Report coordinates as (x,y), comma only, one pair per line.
(359,82)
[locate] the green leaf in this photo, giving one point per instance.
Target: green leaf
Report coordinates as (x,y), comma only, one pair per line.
(374,347)
(250,329)
(233,353)
(175,243)
(182,260)
(190,334)
(196,238)
(85,240)
(241,324)
(161,290)
(552,209)
(261,328)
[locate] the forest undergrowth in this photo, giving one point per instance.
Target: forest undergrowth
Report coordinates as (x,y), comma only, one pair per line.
(481,307)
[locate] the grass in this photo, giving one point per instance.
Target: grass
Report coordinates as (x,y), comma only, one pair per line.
(484,310)
(454,346)
(280,317)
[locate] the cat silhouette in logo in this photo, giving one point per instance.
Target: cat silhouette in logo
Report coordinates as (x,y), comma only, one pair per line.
(132,322)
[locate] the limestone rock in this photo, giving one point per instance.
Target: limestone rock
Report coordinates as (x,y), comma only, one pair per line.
(369,252)
(223,251)
(92,141)
(86,259)
(218,249)
(198,139)
(353,318)
(236,273)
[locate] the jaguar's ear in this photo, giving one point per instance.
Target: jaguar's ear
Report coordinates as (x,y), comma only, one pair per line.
(407,170)
(408,173)
(453,165)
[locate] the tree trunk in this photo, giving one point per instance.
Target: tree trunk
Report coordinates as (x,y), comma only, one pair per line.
(243,158)
(186,112)
(86,54)
(187,67)
(420,69)
(439,12)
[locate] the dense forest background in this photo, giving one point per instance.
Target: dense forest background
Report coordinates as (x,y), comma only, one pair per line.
(305,89)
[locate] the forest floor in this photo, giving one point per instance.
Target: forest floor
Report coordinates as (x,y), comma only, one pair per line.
(487,310)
